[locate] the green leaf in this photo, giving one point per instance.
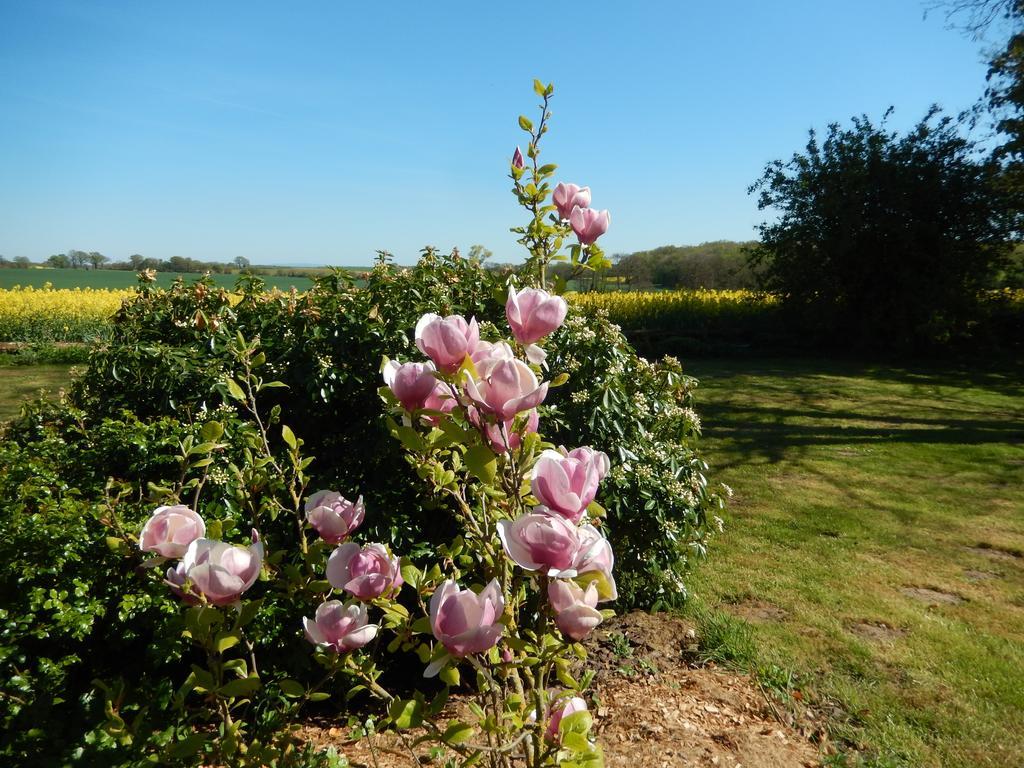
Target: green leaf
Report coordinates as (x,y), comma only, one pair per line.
(525,124)
(450,675)
(241,687)
(211,431)
(293,689)
(410,573)
(289,437)
(319,696)
(406,713)
(577,722)
(234,390)
(538,87)
(482,462)
(456,733)
(226,640)
(577,742)
(187,747)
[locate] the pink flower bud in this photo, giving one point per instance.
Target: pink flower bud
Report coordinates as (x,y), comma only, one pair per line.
(333,516)
(517,159)
(541,540)
(569,196)
(447,340)
(217,571)
(567,484)
(595,557)
(533,314)
(366,573)
(465,622)
(170,530)
(576,611)
(340,627)
(504,386)
(559,710)
(589,224)
(508,434)
(412,383)
(439,399)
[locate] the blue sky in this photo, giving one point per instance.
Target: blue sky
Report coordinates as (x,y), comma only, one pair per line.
(319,132)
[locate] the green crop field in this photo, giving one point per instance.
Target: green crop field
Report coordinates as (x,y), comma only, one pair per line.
(116,278)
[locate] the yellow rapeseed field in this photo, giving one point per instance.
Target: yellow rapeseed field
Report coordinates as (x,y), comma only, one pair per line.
(83,314)
(66,314)
(656,309)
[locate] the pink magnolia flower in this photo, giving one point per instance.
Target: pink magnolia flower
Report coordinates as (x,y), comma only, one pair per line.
(598,459)
(517,159)
(170,530)
(365,573)
(340,627)
(595,557)
(217,571)
(541,540)
(560,710)
(333,516)
(487,350)
(447,340)
(576,611)
(505,436)
(533,314)
(412,383)
(466,622)
(569,196)
(589,224)
(567,484)
(504,386)
(440,399)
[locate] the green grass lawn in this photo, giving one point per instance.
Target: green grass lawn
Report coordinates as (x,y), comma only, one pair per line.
(24,381)
(873,549)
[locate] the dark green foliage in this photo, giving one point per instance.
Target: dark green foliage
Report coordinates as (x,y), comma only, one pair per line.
(1005,96)
(882,240)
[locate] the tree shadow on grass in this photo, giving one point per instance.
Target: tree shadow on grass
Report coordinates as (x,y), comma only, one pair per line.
(773,411)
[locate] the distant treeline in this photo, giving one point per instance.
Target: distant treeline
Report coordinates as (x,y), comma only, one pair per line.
(718,264)
(75,259)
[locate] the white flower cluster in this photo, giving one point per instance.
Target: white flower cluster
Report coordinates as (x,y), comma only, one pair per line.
(218,475)
(691,416)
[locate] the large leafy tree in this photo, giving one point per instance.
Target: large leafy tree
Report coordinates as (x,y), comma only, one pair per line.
(882,240)
(1004,95)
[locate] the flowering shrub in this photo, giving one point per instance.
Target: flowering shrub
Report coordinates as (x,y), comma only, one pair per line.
(528,539)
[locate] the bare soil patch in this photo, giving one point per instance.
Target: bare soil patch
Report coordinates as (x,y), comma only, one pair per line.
(651,709)
(876,631)
(972,575)
(757,611)
(996,553)
(932,596)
